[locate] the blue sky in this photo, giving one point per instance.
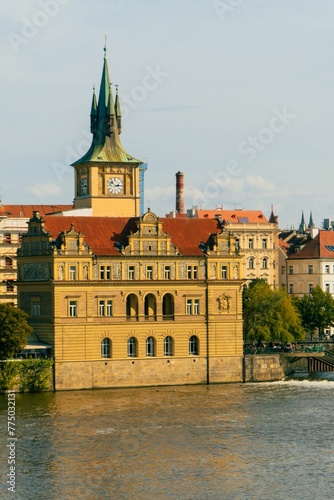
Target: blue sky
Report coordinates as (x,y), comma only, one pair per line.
(238,94)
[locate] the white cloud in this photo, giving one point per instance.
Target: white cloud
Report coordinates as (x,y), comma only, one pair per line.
(48,189)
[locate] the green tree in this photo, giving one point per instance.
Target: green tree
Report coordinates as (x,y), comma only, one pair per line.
(316,310)
(270,315)
(14,330)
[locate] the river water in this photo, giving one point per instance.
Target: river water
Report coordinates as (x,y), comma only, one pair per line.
(243,441)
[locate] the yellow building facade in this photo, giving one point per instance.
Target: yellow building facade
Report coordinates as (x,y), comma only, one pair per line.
(142,312)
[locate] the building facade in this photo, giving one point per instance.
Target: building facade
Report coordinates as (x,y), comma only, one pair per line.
(256,238)
(13,224)
(130,302)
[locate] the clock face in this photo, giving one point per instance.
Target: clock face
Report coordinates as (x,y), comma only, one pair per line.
(84,186)
(115,185)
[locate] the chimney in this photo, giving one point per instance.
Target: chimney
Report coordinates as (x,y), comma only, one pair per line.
(179,193)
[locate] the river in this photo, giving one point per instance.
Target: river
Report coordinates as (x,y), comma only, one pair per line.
(242,441)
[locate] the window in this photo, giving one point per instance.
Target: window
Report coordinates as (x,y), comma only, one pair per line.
(327,287)
(131,273)
(150,344)
(35,308)
(132,307)
(8,238)
(150,307)
(224,273)
(237,244)
(104,272)
(106,348)
(193,345)
(193,306)
(73,308)
(9,263)
(251,263)
(327,269)
(290,269)
(168,307)
(283,270)
(9,285)
(168,346)
(132,347)
(73,272)
(192,272)
(105,308)
(291,288)
(310,269)
(264,263)
(264,243)
(310,288)
(167,272)
(149,272)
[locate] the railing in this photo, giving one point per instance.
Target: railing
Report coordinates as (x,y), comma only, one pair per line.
(284,349)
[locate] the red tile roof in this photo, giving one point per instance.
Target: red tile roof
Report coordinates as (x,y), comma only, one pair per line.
(320,247)
(234,216)
(101,233)
(26,211)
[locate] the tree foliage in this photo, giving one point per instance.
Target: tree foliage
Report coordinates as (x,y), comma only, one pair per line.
(270,315)
(316,310)
(14,330)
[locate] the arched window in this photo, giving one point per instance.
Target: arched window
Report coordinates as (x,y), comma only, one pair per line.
(193,345)
(150,306)
(132,307)
(265,263)
(150,346)
(106,348)
(251,263)
(168,307)
(132,347)
(168,346)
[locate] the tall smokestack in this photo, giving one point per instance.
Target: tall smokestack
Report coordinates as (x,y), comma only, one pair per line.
(179,193)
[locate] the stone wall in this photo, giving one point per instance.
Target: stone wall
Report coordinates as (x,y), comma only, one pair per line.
(142,372)
(266,367)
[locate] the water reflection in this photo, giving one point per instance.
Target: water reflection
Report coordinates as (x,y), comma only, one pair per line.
(231,441)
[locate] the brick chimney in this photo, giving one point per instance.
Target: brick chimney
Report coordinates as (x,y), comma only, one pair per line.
(179,193)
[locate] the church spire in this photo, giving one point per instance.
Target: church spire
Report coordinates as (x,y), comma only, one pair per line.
(118,111)
(93,113)
(302,225)
(105,125)
(311,224)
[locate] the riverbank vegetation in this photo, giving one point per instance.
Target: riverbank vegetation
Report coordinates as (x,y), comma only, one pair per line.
(26,375)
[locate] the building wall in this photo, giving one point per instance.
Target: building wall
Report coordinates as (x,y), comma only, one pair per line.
(204,305)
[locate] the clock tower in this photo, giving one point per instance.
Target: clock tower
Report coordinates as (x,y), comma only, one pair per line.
(107,177)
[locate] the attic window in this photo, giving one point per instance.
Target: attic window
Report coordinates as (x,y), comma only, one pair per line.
(9,213)
(233,216)
(243,220)
(260,216)
(330,248)
(206,215)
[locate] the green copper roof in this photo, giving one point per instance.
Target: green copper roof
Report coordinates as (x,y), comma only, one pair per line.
(105,124)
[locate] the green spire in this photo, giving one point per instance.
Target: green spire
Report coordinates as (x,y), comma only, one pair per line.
(118,111)
(105,119)
(93,113)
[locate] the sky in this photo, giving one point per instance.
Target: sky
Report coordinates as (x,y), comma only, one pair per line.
(236,94)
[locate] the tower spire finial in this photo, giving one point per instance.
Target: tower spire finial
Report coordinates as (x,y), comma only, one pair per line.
(105,47)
